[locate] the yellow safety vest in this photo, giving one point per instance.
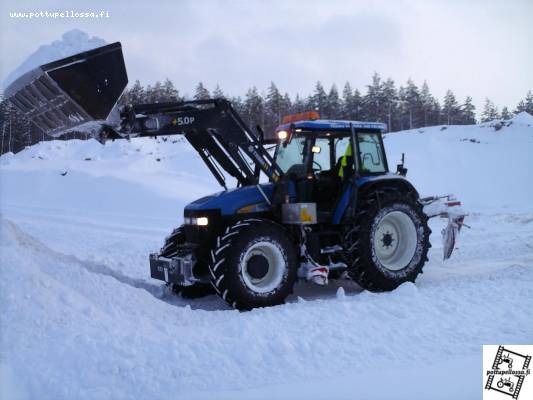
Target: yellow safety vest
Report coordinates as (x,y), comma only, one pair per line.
(344,159)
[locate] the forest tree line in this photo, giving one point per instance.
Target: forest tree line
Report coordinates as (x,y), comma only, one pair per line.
(405,107)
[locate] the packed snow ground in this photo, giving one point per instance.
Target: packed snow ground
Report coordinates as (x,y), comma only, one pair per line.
(82,319)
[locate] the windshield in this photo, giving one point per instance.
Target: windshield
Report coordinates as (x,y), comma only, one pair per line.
(291,154)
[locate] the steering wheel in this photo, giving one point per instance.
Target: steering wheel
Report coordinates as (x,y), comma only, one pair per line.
(319,166)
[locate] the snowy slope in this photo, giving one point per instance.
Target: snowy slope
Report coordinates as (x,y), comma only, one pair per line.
(82,319)
(488,166)
(72,42)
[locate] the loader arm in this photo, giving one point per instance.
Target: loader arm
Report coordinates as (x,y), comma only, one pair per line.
(212,127)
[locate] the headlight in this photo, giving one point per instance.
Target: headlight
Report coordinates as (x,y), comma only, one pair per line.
(202,221)
(199,221)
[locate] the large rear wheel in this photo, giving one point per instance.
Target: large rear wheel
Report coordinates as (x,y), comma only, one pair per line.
(254,264)
(388,240)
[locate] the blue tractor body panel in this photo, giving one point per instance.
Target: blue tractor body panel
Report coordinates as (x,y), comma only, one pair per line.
(342,204)
(230,201)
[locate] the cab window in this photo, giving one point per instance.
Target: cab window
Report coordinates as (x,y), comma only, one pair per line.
(321,155)
(371,153)
(293,153)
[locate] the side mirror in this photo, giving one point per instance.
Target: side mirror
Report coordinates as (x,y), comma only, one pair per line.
(260,134)
(400,169)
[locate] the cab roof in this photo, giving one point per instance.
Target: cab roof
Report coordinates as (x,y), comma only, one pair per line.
(333,125)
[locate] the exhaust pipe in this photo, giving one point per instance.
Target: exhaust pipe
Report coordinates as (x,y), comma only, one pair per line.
(73,91)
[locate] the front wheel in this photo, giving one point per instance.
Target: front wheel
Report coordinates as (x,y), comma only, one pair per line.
(388,241)
(170,249)
(253,264)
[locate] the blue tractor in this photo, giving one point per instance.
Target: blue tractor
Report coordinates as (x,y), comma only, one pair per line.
(314,199)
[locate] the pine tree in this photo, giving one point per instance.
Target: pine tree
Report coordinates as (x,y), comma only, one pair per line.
(520,107)
(506,114)
(427,103)
(155,94)
(299,105)
(372,101)
(490,112)
(254,108)
(169,92)
(451,108)
(201,93)
(286,106)
(273,108)
(357,112)
(238,105)
(137,94)
(389,103)
(526,104)
(413,104)
(437,113)
(218,93)
(468,112)
(347,101)
(333,104)
(529,103)
(318,101)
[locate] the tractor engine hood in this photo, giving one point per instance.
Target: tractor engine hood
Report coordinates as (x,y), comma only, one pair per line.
(245,199)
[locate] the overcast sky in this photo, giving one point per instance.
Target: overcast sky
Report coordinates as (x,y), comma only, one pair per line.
(477,48)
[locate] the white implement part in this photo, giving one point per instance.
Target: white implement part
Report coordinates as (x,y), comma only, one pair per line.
(446,207)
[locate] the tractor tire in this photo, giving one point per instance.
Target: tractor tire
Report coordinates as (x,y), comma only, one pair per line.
(254,264)
(388,240)
(170,250)
(176,238)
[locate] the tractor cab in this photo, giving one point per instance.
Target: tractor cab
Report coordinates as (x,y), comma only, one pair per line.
(319,157)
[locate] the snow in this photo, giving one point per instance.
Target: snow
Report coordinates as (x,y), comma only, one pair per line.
(487,168)
(72,42)
(82,319)
(523,119)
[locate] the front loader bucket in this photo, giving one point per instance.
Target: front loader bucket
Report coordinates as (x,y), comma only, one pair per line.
(64,94)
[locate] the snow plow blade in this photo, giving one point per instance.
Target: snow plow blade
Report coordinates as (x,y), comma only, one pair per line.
(446,207)
(67,93)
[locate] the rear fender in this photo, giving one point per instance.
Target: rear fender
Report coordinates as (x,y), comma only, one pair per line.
(364,185)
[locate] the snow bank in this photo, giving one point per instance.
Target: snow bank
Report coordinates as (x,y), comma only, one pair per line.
(523,119)
(81,329)
(118,177)
(487,168)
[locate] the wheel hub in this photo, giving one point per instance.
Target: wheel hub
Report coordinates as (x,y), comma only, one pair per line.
(387,239)
(395,240)
(257,266)
(263,266)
